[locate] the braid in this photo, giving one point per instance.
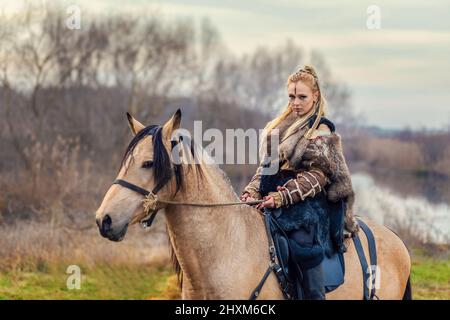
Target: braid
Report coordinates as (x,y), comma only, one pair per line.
(300,75)
(308,75)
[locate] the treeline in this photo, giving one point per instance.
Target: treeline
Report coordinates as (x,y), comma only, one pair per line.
(418,152)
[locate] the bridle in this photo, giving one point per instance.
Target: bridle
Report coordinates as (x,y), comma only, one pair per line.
(152,202)
(151,207)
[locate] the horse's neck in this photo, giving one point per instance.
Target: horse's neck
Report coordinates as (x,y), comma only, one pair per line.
(217,247)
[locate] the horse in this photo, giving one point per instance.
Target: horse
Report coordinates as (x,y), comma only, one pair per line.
(220,252)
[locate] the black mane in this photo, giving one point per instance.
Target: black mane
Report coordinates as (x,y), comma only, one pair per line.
(161,161)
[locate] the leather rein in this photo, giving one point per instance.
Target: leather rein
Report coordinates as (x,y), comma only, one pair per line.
(151,201)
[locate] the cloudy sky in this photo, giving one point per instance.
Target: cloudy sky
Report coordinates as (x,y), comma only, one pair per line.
(399,75)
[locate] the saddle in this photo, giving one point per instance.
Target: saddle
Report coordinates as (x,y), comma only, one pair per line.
(333,266)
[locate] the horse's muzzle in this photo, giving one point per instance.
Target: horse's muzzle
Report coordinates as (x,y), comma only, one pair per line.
(104,226)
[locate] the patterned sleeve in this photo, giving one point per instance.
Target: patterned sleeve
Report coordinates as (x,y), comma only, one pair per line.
(253,187)
(306,184)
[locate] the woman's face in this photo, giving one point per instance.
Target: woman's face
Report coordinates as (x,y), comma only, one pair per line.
(301,97)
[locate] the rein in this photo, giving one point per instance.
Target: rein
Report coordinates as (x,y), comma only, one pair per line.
(151,201)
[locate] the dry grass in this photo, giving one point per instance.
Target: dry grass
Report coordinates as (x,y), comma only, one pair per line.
(30,246)
(170,290)
(34,258)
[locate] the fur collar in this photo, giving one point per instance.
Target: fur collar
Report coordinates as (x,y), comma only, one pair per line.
(278,135)
(328,157)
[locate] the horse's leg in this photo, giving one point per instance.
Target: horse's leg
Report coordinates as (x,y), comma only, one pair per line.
(393,262)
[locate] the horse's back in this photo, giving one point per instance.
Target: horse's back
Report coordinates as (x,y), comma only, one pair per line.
(393,266)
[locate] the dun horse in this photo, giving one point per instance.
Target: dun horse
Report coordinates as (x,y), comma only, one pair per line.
(221,251)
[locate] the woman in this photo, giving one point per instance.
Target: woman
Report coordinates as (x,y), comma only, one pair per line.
(312,190)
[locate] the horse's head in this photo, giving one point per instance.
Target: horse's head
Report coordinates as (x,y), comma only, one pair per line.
(146,164)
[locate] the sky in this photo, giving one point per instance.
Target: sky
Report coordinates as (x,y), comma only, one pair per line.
(398,75)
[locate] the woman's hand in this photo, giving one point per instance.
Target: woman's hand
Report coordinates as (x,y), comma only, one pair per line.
(246,197)
(269,202)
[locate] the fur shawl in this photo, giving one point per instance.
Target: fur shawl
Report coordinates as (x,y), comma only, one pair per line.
(324,152)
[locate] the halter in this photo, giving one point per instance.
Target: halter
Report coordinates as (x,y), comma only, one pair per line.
(150,201)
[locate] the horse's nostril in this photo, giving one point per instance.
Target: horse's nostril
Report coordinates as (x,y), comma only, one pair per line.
(106,223)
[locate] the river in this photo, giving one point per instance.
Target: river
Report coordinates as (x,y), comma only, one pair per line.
(420,205)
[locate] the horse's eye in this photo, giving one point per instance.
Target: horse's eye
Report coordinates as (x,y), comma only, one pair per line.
(147,164)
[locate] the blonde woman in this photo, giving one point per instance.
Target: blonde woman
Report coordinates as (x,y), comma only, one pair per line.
(311,194)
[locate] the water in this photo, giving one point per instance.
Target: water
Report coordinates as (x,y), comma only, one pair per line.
(420,205)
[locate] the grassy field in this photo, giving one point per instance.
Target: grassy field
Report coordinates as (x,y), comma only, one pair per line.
(430,280)
(101,282)
(34,267)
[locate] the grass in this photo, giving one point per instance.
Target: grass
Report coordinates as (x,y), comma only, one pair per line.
(430,279)
(34,267)
(101,282)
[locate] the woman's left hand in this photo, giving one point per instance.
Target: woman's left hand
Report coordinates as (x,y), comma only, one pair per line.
(269,202)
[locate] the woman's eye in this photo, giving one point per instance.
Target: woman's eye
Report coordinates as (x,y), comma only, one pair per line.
(147,164)
(302,97)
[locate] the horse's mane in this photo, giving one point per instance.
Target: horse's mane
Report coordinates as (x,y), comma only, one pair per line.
(161,162)
(175,264)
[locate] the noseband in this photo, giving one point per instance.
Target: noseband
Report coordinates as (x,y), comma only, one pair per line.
(150,200)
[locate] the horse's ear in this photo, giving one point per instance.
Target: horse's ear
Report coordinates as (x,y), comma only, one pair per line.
(135,125)
(171,125)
